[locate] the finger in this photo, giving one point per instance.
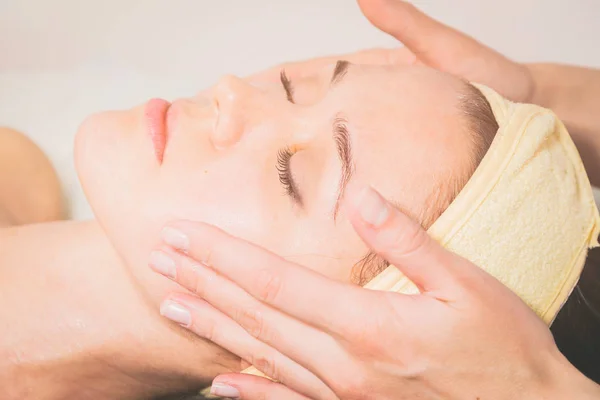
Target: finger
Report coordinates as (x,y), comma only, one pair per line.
(209,323)
(250,387)
(299,342)
(286,286)
(427,38)
(400,240)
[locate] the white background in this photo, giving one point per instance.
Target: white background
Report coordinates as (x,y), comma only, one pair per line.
(61,60)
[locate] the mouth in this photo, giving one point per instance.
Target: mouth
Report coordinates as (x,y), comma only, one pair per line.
(155,114)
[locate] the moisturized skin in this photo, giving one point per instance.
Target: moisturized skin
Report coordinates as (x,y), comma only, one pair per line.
(89,291)
(227,161)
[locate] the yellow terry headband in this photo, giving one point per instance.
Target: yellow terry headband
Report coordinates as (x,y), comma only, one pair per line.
(527,216)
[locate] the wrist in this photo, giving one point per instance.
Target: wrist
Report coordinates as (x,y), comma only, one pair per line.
(537,91)
(547,85)
(564,381)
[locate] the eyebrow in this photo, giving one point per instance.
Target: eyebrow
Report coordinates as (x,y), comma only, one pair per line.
(341,137)
(341,67)
(287,86)
(339,72)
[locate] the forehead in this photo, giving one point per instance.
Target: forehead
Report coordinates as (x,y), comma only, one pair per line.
(407,130)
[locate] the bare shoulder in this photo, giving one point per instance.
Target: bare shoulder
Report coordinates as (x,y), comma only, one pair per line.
(29,186)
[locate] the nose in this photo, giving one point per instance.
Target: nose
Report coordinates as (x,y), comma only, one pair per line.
(234,100)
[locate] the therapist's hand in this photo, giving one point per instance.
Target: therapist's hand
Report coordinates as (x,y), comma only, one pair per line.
(449,50)
(464,337)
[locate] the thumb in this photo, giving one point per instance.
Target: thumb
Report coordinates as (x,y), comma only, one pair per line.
(427,38)
(401,241)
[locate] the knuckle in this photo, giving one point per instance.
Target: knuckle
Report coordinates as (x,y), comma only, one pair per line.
(268,286)
(353,389)
(251,320)
(265,363)
(198,279)
(207,330)
(366,341)
(408,239)
(351,329)
(207,256)
(371,339)
(198,285)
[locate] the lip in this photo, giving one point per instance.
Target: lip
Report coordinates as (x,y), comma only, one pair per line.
(155,113)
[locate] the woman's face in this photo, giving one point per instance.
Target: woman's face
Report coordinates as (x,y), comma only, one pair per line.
(270,166)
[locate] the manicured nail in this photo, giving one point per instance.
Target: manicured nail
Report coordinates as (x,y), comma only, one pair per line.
(175,238)
(163,264)
(175,312)
(372,207)
(223,390)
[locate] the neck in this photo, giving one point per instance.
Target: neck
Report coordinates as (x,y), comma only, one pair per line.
(80,326)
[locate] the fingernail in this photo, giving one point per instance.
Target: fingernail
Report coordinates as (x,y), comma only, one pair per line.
(372,207)
(175,312)
(175,238)
(163,264)
(223,390)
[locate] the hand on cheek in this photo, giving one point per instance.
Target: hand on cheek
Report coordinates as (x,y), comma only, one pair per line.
(325,339)
(222,312)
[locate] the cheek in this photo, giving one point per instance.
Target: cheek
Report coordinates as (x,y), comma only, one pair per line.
(116,165)
(113,161)
(223,194)
(329,249)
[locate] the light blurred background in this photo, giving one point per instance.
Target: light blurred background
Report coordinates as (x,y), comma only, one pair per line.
(61,60)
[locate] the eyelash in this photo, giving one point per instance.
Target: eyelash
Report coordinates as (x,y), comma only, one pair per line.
(285,176)
(284,157)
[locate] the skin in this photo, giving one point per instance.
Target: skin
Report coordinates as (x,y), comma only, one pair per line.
(156,357)
(220,162)
(570,91)
(87,290)
(534,367)
(367,344)
(30,188)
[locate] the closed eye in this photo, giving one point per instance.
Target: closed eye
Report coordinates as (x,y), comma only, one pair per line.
(286,179)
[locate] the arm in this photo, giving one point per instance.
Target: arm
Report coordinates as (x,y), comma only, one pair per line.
(574,94)
(73,323)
